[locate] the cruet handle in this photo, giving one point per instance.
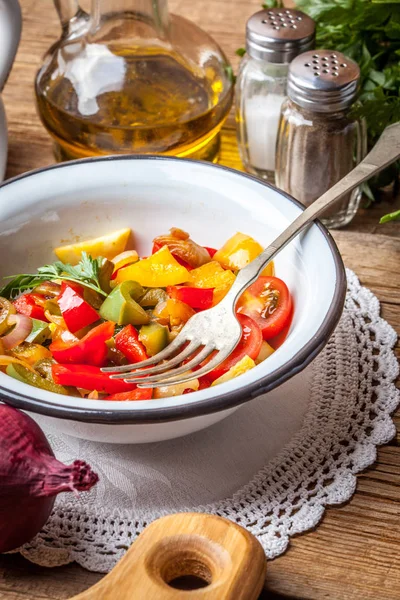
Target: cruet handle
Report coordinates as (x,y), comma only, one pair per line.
(70,14)
(10,33)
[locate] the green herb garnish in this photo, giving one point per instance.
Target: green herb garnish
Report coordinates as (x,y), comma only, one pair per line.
(272,4)
(86,273)
(368,31)
(394,216)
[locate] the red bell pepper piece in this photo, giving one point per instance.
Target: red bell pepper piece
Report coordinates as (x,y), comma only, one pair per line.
(204,383)
(127,341)
(138,394)
(27,305)
(156,248)
(77,313)
(211,251)
(200,298)
(89,378)
(90,350)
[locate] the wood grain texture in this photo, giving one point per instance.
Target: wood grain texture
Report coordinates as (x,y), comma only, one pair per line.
(206,548)
(355,552)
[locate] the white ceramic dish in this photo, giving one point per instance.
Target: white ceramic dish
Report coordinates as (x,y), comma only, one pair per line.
(10,33)
(72,201)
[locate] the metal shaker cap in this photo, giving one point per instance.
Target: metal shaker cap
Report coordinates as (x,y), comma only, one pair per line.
(323,81)
(278,35)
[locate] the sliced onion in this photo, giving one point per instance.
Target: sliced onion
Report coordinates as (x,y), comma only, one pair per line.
(166,391)
(69,337)
(8,360)
(56,319)
(58,332)
(6,310)
(181,246)
(84,393)
(23,327)
(125,258)
(48,288)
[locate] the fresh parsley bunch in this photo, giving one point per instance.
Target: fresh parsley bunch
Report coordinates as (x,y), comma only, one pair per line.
(368,31)
(86,273)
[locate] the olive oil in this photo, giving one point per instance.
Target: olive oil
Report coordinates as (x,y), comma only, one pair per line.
(132,103)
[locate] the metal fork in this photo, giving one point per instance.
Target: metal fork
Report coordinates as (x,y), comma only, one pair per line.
(217,329)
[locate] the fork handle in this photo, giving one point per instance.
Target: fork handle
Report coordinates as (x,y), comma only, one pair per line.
(385,152)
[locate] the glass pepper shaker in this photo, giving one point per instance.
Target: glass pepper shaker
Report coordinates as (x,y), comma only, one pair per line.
(273,38)
(320,136)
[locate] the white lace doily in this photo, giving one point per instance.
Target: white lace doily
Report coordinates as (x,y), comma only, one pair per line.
(273,466)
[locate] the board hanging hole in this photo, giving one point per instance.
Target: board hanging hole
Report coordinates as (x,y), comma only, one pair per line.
(185,572)
(188,583)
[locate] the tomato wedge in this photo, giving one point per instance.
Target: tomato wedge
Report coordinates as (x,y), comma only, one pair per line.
(269,303)
(249,345)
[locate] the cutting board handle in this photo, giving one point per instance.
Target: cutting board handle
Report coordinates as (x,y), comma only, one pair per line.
(210,556)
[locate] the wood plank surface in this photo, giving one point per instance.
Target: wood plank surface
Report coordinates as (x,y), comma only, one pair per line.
(355,552)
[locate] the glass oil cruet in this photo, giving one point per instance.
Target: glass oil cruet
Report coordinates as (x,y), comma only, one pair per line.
(127,77)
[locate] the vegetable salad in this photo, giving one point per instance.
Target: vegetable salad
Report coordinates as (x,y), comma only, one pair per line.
(101,305)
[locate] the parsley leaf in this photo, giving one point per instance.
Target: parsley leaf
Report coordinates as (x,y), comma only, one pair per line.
(394,216)
(86,273)
(369,33)
(272,4)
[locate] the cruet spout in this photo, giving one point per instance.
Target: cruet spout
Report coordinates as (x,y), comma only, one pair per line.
(71,15)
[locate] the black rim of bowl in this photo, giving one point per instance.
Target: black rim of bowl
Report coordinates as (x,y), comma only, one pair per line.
(222,402)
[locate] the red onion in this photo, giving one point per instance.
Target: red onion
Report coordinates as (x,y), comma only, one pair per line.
(30,478)
(23,327)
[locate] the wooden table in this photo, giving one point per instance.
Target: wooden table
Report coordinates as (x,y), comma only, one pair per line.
(355,552)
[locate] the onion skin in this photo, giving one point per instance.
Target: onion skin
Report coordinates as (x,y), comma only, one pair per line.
(23,327)
(181,246)
(30,478)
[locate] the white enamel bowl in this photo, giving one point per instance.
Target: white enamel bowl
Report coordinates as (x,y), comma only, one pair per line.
(84,199)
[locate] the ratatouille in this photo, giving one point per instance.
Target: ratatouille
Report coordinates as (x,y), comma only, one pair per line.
(101,305)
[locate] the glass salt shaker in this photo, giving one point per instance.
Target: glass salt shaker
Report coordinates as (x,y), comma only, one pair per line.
(273,38)
(320,136)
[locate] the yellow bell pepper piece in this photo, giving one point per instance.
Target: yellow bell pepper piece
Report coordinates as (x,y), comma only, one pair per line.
(212,275)
(31,353)
(269,270)
(124,259)
(177,389)
(108,246)
(173,312)
(159,270)
(206,276)
(238,251)
(265,352)
(244,365)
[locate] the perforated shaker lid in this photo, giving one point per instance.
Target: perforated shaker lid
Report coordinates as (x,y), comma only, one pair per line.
(323,80)
(278,35)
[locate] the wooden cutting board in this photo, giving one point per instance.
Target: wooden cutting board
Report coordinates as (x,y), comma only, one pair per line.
(186,555)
